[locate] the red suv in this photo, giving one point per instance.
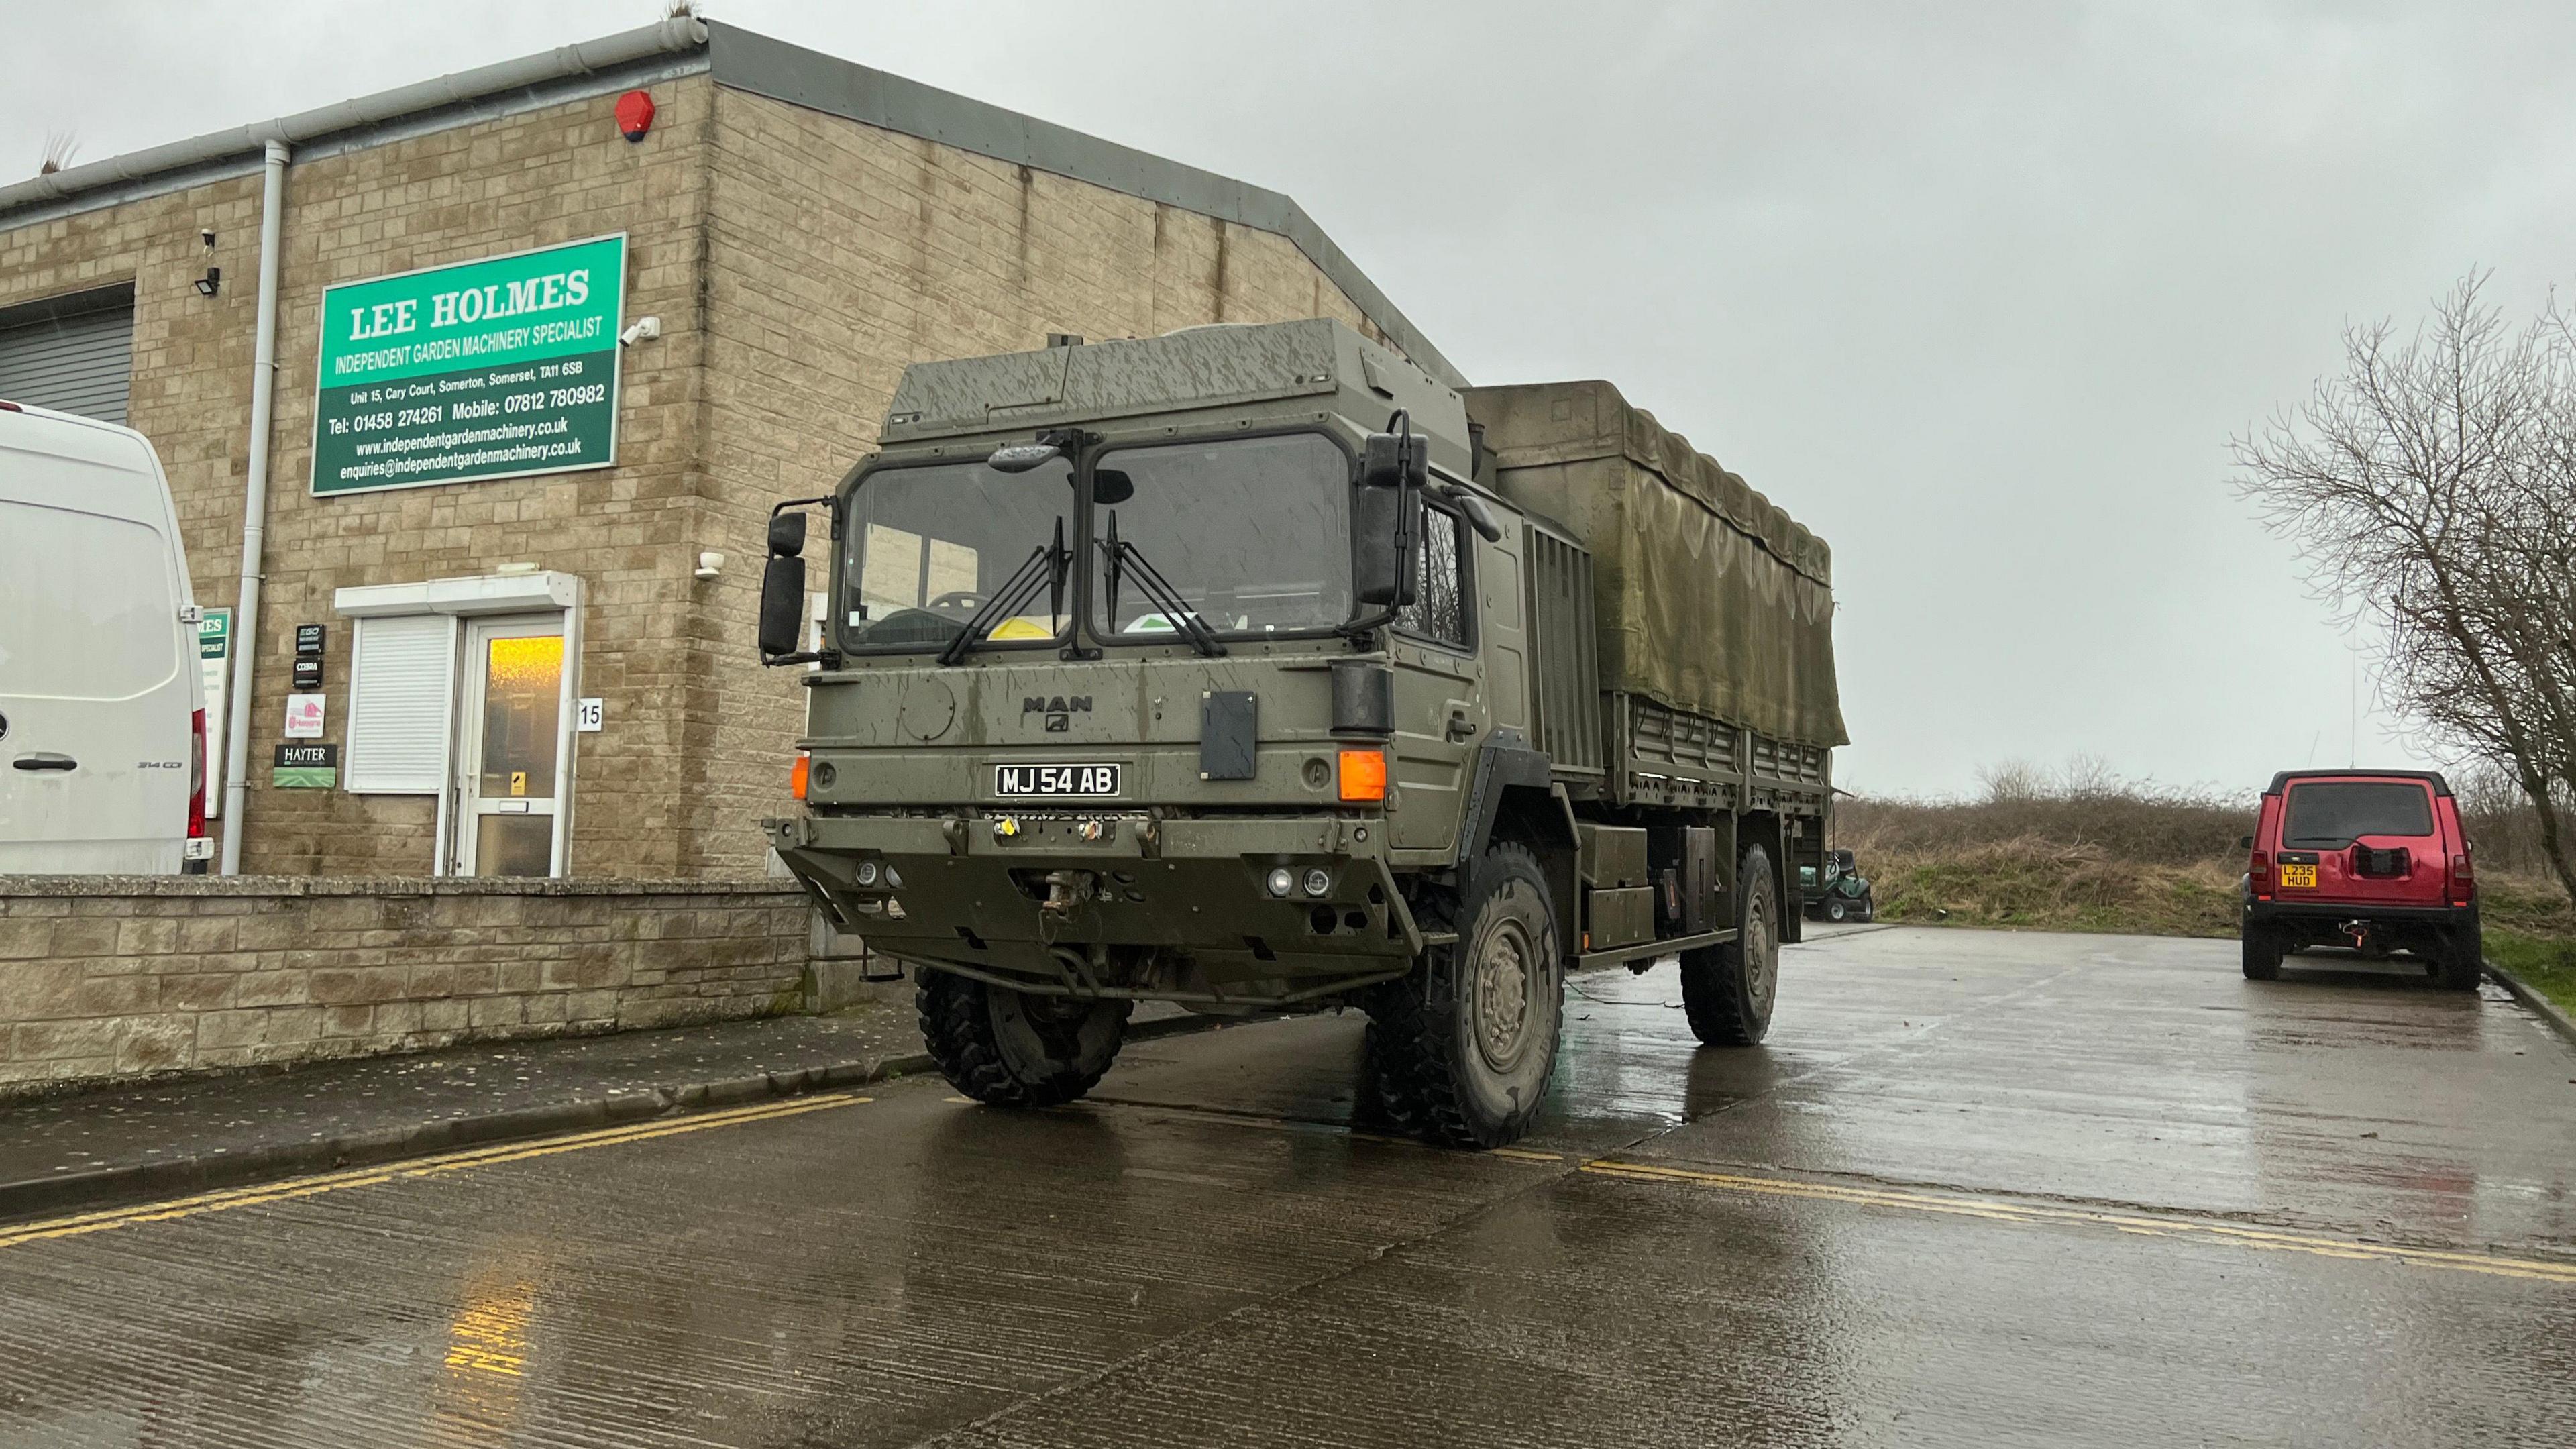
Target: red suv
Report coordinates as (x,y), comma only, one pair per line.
(2371,859)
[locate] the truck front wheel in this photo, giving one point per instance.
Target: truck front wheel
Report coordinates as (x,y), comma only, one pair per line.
(1013,1048)
(1727,990)
(1461,1050)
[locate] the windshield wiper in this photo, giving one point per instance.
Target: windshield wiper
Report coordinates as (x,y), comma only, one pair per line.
(1123,556)
(1046,561)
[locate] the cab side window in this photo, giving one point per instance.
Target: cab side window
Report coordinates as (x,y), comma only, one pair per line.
(1439,608)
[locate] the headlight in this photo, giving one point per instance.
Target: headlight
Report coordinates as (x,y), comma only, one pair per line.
(866,874)
(1281,882)
(1318,881)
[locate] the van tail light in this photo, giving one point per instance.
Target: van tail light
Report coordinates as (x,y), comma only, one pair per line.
(196,774)
(2464,880)
(2261,871)
(796,776)
(1363,775)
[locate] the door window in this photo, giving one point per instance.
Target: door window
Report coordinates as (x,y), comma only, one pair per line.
(513,713)
(1439,608)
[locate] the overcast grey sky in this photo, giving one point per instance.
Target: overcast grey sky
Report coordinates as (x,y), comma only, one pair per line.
(1978,292)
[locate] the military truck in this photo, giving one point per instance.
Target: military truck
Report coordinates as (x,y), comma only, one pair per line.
(1252,668)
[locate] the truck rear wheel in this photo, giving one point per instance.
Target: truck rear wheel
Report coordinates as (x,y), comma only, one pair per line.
(1461,1051)
(1013,1048)
(1727,990)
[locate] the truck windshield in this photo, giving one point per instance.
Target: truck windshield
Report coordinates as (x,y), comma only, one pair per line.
(1253,535)
(927,547)
(2334,814)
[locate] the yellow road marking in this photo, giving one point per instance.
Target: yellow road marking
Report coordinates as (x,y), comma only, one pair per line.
(2265,1239)
(79,1224)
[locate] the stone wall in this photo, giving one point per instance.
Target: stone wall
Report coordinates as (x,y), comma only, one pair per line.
(104,978)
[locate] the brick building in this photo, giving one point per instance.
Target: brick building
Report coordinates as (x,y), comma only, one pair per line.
(798,227)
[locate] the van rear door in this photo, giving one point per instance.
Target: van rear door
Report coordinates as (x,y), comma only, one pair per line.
(96,692)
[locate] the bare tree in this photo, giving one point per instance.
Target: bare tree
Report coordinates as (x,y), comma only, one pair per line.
(2432,489)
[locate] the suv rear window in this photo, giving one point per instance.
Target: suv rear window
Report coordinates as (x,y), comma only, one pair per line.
(2335,813)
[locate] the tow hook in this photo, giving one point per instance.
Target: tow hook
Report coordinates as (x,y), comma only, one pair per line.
(2363,939)
(1066,892)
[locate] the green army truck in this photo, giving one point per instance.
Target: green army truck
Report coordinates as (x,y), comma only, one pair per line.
(1251,668)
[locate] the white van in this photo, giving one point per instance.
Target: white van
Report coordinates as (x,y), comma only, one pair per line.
(102,703)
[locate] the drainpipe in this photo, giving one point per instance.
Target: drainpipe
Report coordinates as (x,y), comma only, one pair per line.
(263,401)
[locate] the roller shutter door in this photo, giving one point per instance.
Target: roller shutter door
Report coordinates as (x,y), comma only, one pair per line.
(73,354)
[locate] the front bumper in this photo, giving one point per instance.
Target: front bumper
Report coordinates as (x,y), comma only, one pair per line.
(1114,904)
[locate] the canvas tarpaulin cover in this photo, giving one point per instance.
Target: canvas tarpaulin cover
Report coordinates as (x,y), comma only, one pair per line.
(1709,598)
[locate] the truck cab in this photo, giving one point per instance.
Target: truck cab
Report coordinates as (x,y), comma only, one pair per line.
(1195,668)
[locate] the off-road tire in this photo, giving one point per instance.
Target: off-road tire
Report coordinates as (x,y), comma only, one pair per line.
(2464,959)
(1010,1048)
(1460,1051)
(1728,1004)
(2263,952)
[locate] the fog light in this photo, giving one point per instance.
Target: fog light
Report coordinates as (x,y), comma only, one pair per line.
(1318,881)
(866,874)
(1281,882)
(894,879)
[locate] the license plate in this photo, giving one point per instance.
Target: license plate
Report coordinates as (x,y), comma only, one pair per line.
(2299,875)
(1060,781)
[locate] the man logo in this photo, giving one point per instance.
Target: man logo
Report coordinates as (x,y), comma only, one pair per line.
(1059,711)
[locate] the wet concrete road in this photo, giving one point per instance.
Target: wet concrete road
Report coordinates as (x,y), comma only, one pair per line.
(1978,1189)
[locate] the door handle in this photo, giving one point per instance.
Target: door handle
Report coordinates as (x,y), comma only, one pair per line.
(1460,726)
(44,762)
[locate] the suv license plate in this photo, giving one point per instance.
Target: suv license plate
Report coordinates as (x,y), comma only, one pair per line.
(2299,875)
(1076,781)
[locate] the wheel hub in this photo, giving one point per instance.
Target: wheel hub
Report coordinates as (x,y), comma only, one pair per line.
(1506,973)
(1761,958)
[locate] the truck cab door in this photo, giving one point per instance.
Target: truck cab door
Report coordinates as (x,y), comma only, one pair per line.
(1441,713)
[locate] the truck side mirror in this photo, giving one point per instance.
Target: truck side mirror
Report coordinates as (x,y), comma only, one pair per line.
(2245,842)
(1395,460)
(782,600)
(786,535)
(782,586)
(1382,562)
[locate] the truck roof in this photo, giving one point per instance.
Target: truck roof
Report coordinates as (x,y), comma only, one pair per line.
(1222,365)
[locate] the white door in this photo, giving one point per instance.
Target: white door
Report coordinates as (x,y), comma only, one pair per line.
(96,690)
(511,733)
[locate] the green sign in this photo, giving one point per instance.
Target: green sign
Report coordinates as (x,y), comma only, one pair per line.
(489,369)
(214,633)
(305,767)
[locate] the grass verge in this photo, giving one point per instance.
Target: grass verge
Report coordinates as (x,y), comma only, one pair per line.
(2548,964)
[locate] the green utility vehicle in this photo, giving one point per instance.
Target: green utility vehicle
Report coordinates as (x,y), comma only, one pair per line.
(1837,891)
(1253,669)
